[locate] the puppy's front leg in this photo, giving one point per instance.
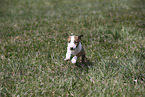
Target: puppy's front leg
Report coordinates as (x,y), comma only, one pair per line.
(68,55)
(74,59)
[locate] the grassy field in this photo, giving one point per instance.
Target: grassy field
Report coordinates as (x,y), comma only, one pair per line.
(33,44)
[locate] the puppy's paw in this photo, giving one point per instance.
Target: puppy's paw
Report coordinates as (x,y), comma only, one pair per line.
(74,59)
(66,59)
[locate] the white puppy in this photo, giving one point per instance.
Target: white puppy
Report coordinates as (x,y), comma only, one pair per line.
(75,49)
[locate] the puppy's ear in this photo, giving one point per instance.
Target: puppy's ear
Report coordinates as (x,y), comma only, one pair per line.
(79,37)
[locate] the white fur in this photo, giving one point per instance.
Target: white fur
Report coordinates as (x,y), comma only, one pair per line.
(74,59)
(73,52)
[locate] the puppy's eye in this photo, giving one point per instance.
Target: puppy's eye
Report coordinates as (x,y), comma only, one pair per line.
(68,41)
(76,41)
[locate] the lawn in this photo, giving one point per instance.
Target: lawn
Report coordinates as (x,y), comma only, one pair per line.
(33,45)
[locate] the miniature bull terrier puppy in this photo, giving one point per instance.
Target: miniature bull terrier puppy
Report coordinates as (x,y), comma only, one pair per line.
(75,49)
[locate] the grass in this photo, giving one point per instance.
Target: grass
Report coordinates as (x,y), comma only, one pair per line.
(33,46)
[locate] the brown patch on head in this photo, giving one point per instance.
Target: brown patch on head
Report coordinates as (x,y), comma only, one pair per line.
(76,40)
(69,38)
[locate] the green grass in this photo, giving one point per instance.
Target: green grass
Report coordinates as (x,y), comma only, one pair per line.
(33,46)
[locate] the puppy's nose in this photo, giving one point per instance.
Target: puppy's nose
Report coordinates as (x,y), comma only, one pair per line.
(71,48)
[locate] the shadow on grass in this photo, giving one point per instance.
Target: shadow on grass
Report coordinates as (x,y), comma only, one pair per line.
(85,65)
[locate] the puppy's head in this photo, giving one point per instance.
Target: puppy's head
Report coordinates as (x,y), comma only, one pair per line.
(73,42)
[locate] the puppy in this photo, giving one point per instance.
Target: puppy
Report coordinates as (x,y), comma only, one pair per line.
(75,49)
